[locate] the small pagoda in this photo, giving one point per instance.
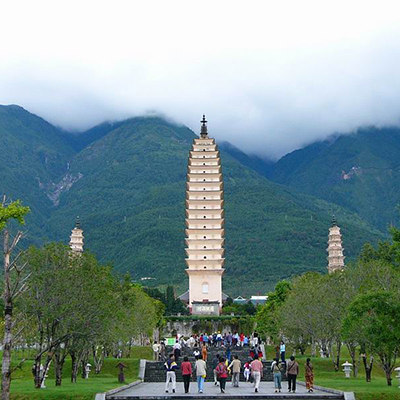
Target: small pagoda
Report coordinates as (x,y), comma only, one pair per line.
(204,225)
(76,241)
(335,248)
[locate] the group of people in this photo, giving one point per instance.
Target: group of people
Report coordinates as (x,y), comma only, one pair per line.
(222,368)
(291,369)
(217,339)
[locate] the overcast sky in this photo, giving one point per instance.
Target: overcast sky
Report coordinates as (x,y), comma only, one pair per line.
(271,76)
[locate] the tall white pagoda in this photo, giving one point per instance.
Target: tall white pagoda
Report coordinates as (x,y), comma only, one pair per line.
(76,241)
(204,225)
(335,248)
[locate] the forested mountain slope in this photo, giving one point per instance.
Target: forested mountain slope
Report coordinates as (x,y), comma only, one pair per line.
(33,158)
(359,171)
(127,183)
(131,200)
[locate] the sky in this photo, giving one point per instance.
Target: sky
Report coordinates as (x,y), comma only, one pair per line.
(271,76)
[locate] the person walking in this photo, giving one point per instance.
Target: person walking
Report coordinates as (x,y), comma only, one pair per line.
(163,352)
(201,373)
(186,369)
(222,373)
(276,369)
(171,366)
(256,368)
(292,371)
(282,350)
(309,375)
(235,366)
(215,362)
(246,371)
(156,350)
(228,353)
(204,352)
(177,350)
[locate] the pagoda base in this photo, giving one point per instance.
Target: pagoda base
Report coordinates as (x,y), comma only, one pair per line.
(205,308)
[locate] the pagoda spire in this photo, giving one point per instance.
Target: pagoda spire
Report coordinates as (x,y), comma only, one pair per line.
(335,248)
(203,131)
(77,238)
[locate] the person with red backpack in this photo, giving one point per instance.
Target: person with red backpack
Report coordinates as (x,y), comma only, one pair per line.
(222,373)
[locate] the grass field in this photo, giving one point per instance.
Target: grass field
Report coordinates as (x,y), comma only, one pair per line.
(326,376)
(22,387)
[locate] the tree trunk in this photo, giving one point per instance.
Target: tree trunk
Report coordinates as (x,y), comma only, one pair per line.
(336,362)
(59,360)
(75,366)
(313,349)
(388,373)
(368,367)
(8,308)
(7,344)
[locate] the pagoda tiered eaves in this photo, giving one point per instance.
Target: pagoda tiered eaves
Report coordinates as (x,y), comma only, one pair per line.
(204,221)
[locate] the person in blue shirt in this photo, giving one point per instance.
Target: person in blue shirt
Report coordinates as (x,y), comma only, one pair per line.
(283,350)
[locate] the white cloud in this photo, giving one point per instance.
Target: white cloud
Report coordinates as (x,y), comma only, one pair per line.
(271,76)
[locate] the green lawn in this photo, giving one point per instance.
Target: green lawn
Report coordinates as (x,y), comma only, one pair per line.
(326,376)
(22,387)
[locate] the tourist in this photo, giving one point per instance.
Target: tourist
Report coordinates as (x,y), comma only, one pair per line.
(163,351)
(235,367)
(252,352)
(219,339)
(245,341)
(210,340)
(246,372)
(171,366)
(205,340)
(241,338)
(309,375)
(256,367)
(229,339)
(191,341)
(292,371)
(204,352)
(228,353)
(255,339)
(201,373)
(156,350)
(177,350)
(201,340)
(196,351)
(237,339)
(276,369)
(222,373)
(282,349)
(186,369)
(215,362)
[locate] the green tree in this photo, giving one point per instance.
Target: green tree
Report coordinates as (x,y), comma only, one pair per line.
(268,315)
(377,316)
(15,282)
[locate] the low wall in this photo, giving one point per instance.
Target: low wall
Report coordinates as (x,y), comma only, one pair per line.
(187,326)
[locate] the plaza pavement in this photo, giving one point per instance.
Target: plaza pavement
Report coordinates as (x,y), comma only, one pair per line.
(156,390)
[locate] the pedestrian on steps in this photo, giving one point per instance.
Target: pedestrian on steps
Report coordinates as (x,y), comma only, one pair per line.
(256,368)
(170,366)
(215,362)
(204,352)
(201,373)
(291,372)
(177,350)
(186,369)
(235,367)
(222,373)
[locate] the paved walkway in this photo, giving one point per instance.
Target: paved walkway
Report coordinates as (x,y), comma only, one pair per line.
(157,390)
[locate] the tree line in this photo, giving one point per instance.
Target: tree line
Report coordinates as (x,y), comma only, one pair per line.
(358,307)
(58,303)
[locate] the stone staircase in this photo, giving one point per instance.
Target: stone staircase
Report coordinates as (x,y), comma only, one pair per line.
(155,372)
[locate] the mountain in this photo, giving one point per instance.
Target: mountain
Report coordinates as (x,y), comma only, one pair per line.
(359,171)
(131,200)
(127,183)
(33,157)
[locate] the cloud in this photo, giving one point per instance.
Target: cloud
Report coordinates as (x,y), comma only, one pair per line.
(270,76)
